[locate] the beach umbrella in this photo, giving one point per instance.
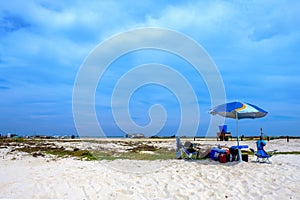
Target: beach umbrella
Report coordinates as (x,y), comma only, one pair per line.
(238,110)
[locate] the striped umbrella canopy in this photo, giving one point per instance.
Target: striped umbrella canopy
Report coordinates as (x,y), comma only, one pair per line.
(238,110)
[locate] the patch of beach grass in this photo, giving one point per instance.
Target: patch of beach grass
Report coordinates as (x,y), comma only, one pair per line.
(82,154)
(8,140)
(157,155)
(135,155)
(278,153)
(287,152)
(57,151)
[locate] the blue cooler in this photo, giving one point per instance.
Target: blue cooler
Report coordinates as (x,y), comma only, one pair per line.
(215,152)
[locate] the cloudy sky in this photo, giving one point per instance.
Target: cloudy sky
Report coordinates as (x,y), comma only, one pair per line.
(43,44)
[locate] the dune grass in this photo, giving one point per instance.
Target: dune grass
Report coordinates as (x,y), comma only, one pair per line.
(135,155)
(43,147)
(141,151)
(98,155)
(82,154)
(288,152)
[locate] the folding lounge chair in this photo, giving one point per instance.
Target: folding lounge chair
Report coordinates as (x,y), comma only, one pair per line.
(261,154)
(183,151)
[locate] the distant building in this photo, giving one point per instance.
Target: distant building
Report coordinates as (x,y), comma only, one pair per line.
(11,135)
(135,135)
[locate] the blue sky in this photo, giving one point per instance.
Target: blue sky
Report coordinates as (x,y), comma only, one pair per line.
(255,46)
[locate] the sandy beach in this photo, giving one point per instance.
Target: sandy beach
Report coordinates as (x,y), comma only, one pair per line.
(45,177)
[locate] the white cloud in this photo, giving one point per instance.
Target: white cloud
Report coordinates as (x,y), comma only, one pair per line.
(196,17)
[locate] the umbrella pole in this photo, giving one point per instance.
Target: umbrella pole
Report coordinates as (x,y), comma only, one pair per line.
(238,141)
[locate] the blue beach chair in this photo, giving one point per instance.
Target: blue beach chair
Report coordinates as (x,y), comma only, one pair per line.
(261,154)
(184,151)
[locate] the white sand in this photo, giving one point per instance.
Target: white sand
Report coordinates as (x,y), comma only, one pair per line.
(29,177)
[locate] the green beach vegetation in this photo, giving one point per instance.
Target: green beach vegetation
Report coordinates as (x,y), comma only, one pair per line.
(37,147)
(134,149)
